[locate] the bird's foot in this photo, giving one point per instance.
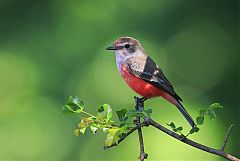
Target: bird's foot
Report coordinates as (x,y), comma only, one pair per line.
(140,101)
(143,99)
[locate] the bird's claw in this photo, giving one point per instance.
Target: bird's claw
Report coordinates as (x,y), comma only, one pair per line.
(140,101)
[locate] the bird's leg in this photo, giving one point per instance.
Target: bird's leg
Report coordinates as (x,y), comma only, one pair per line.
(143,99)
(140,102)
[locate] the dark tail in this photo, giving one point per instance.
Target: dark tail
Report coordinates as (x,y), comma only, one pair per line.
(185,114)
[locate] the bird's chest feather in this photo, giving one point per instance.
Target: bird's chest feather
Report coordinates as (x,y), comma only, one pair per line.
(138,85)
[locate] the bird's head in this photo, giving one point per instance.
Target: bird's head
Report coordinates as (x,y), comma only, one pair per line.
(126,46)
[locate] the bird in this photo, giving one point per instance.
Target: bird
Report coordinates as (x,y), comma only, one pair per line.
(143,75)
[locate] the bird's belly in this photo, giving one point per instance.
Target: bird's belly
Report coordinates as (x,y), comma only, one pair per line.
(140,86)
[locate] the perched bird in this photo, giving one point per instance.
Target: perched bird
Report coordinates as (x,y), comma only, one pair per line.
(142,74)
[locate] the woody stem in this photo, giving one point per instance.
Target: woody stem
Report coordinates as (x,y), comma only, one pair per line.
(139,106)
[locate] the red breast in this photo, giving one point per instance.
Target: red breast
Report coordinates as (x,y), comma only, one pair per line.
(142,87)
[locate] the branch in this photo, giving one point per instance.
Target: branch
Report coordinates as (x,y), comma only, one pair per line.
(148,121)
(226,137)
(195,144)
(125,136)
(139,107)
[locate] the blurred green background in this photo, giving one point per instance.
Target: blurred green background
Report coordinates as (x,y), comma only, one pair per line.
(55,48)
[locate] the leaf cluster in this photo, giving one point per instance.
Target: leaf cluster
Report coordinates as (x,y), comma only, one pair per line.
(203,113)
(103,119)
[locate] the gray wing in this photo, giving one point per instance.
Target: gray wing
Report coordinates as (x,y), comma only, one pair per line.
(153,75)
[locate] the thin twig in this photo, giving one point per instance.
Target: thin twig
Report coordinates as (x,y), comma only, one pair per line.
(226,137)
(126,135)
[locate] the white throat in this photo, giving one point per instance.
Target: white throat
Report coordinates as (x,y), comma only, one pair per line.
(120,59)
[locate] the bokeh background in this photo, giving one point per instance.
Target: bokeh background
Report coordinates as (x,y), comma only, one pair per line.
(52,49)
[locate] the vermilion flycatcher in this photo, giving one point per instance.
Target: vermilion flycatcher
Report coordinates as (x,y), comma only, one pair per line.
(143,75)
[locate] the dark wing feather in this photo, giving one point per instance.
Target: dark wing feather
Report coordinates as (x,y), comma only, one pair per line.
(153,75)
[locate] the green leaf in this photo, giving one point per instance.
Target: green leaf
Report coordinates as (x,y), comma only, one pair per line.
(172,125)
(215,106)
(179,129)
(122,124)
(76,132)
(211,114)
(193,130)
(131,113)
(66,110)
(74,100)
(83,130)
(105,111)
(202,112)
(148,111)
(122,115)
(109,112)
(94,129)
(200,120)
(72,108)
(123,129)
(74,105)
(196,129)
(112,136)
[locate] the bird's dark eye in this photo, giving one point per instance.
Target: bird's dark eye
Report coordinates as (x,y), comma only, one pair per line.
(127,45)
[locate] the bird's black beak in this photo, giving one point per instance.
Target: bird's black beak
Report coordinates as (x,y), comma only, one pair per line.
(111,48)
